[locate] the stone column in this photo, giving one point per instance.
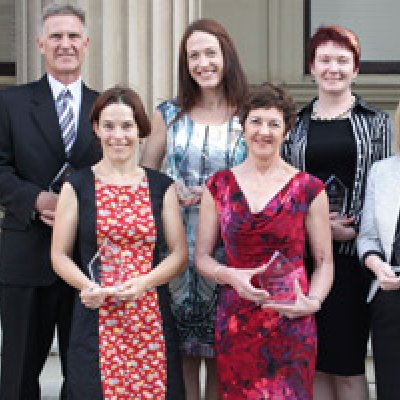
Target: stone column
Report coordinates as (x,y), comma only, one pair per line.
(133,42)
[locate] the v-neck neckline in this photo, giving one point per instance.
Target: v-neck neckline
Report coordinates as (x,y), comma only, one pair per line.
(269,201)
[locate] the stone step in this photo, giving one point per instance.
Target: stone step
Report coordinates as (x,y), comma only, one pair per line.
(51,377)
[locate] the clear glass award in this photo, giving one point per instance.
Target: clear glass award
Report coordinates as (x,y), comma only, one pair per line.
(337,194)
(60,177)
(105,267)
(278,280)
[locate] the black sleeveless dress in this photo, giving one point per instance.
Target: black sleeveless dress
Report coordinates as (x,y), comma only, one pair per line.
(85,376)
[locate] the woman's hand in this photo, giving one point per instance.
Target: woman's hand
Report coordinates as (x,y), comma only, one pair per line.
(387,279)
(188,196)
(303,306)
(240,280)
(94,296)
(342,227)
(132,289)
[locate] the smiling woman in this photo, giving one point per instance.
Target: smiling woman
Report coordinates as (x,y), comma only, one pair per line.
(119,121)
(199,133)
(121,217)
(265,130)
(259,207)
(205,60)
(338,135)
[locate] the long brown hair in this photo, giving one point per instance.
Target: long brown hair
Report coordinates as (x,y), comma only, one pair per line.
(234,80)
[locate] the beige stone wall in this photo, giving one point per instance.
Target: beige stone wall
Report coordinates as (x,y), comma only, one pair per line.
(136,42)
(269,36)
(132,42)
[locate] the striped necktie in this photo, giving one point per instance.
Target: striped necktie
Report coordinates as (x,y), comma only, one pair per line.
(65,114)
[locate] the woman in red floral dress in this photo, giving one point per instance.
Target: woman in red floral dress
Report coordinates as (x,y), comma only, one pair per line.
(123,344)
(264,205)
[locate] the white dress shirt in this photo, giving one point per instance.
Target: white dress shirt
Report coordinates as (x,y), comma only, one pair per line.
(76,91)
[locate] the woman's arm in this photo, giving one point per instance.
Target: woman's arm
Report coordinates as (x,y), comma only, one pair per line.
(368,240)
(319,235)
(154,149)
(369,244)
(64,235)
(177,259)
(207,234)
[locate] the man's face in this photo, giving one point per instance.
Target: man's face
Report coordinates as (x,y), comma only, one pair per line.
(63,44)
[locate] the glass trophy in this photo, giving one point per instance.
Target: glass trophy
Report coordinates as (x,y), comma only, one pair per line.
(278,280)
(60,177)
(337,194)
(105,267)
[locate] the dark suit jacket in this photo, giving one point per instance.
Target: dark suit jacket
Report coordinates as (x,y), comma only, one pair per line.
(31,154)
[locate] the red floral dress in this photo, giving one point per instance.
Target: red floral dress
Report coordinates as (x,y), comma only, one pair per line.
(131,341)
(261,355)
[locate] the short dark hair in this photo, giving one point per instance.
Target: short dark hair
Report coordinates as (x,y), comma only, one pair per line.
(122,95)
(268,95)
(53,9)
(338,34)
(234,80)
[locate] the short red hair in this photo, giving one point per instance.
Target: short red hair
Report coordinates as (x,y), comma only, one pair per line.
(334,33)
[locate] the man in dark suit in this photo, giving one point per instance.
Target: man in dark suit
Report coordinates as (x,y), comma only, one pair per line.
(44,127)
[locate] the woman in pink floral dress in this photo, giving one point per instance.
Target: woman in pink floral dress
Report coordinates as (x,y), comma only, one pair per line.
(264,205)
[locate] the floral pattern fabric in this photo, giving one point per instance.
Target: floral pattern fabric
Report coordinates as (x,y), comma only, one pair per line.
(261,355)
(131,341)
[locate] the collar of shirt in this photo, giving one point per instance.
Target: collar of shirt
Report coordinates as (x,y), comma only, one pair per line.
(76,91)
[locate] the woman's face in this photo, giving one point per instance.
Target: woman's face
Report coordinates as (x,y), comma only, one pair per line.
(205,59)
(264,131)
(118,132)
(333,68)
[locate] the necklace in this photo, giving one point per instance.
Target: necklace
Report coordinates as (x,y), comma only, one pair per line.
(344,114)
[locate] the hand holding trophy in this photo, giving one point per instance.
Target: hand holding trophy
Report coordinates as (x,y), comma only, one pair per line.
(337,194)
(105,272)
(279,278)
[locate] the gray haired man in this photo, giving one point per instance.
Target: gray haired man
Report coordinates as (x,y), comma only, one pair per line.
(44,127)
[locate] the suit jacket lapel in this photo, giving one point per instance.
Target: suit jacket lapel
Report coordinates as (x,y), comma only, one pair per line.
(45,116)
(84,138)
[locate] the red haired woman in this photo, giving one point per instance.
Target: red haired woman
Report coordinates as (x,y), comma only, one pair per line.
(339,135)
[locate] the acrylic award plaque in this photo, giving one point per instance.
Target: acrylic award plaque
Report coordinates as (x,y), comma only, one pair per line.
(60,177)
(337,194)
(105,266)
(278,280)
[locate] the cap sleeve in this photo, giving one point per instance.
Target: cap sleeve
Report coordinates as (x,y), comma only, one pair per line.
(214,183)
(314,187)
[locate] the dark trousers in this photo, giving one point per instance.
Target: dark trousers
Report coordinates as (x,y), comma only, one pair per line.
(28,317)
(386,343)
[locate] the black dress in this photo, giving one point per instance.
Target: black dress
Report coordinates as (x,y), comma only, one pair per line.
(343,321)
(84,377)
